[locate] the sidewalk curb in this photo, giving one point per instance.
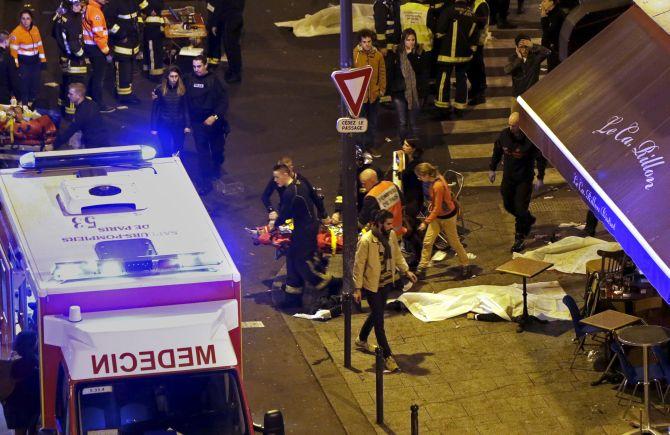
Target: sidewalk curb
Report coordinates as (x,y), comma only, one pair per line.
(326,373)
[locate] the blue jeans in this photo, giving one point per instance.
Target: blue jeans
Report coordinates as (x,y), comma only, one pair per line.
(406,118)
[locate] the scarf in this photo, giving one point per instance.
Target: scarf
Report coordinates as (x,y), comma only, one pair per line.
(387,248)
(411,94)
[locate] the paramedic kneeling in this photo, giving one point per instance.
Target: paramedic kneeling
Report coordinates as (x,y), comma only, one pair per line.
(86,119)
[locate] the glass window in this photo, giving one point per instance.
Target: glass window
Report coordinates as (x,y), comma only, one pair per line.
(206,403)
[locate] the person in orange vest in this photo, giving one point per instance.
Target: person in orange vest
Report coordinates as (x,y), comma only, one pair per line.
(442,219)
(96,48)
(381,195)
(25,46)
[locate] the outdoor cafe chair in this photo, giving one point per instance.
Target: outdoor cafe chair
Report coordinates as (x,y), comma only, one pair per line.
(634,375)
(581,331)
(663,358)
(610,264)
(591,295)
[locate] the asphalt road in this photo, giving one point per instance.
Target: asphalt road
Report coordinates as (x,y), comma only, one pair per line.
(286,104)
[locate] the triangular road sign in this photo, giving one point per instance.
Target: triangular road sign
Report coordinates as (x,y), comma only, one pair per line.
(353,84)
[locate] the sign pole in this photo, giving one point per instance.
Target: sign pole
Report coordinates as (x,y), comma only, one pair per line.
(349,215)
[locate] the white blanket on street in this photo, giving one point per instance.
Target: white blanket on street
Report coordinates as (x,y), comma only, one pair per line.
(327,21)
(570,254)
(545,300)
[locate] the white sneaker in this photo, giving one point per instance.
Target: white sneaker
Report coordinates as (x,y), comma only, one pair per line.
(390,365)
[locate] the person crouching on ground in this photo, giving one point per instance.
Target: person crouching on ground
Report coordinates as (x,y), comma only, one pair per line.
(442,218)
(377,258)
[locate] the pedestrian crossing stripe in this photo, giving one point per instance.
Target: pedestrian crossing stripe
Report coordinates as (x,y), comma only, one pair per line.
(475,151)
(481,179)
(506,43)
(475,125)
(253,324)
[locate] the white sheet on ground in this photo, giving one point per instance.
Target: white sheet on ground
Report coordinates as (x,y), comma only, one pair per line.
(570,254)
(327,21)
(545,300)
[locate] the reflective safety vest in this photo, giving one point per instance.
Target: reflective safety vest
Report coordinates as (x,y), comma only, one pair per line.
(94,27)
(26,45)
(415,16)
(388,198)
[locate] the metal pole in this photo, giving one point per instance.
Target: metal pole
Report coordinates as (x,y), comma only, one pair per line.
(379,378)
(348,175)
(415,419)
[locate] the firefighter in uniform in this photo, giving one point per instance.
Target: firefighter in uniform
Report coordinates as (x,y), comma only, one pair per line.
(152,40)
(387,24)
(122,16)
(477,69)
(67,30)
(456,31)
(225,20)
(96,49)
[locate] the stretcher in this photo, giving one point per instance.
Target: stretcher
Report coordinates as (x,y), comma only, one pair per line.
(183,28)
(329,239)
(23,130)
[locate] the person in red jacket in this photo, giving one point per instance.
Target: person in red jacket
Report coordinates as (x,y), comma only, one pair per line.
(25,46)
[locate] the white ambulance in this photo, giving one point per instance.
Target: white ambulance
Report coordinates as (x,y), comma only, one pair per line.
(137,301)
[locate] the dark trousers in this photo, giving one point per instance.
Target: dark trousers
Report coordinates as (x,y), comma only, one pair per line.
(171,137)
(406,117)
(591,223)
(29,81)
(209,144)
(369,111)
(443,100)
(499,10)
(301,270)
(97,76)
(153,57)
(229,30)
(516,199)
(477,73)
(123,80)
(377,302)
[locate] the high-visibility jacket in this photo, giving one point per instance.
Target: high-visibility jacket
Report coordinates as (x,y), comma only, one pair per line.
(456,33)
(122,16)
(482,11)
(387,196)
(94,26)
(25,46)
(387,22)
(416,16)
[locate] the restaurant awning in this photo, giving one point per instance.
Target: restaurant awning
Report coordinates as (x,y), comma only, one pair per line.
(602,118)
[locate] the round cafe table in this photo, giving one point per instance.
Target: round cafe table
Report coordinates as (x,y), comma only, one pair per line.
(644,336)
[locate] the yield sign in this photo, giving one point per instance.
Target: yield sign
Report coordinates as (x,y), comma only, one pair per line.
(353,84)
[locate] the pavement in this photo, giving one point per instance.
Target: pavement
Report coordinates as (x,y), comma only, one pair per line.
(466,376)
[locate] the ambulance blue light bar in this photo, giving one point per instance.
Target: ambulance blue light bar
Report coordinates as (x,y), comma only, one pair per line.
(120,155)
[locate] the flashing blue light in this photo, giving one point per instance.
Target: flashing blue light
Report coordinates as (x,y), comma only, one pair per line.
(132,154)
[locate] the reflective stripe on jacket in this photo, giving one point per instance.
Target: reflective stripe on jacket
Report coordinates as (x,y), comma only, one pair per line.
(26,43)
(94,27)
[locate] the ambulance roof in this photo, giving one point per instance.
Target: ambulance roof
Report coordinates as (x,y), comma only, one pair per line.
(60,219)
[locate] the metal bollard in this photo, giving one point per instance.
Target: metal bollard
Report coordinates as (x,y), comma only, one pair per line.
(379,375)
(415,419)
(346,310)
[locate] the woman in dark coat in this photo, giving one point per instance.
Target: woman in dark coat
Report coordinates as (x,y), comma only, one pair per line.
(412,191)
(169,114)
(408,81)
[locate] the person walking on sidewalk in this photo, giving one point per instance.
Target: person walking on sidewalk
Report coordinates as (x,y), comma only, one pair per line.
(441,219)
(519,155)
(366,54)
(169,113)
(25,46)
(377,260)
